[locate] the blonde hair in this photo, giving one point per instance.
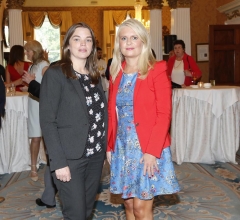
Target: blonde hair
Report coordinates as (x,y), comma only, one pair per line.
(146,59)
(38,53)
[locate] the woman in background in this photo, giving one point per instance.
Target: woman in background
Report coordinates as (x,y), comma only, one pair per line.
(35,53)
(15,67)
(182,68)
(139,114)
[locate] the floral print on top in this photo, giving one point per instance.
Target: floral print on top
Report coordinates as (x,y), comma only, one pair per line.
(126,170)
(95,106)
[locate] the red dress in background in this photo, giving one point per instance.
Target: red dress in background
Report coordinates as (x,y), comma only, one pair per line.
(14,74)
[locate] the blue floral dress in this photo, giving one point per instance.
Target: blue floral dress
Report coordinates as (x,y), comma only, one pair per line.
(126,171)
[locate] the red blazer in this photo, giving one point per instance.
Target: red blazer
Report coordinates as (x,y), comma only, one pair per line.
(152,110)
(189,63)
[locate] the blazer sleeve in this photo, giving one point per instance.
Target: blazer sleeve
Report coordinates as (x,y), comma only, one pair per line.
(110,116)
(194,67)
(34,88)
(50,99)
(163,98)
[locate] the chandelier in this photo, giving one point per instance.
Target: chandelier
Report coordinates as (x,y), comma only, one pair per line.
(138,14)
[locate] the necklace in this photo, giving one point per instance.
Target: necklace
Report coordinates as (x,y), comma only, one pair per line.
(175,67)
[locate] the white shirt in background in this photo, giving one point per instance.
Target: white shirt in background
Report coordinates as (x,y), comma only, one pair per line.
(178,75)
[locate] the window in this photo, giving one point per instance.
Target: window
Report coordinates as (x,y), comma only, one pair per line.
(49,37)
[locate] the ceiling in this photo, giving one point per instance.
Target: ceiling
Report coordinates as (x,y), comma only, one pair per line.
(74,3)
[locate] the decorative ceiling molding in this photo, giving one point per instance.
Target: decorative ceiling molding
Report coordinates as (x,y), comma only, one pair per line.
(232,9)
(172,3)
(184,3)
(155,4)
(15,4)
(179,3)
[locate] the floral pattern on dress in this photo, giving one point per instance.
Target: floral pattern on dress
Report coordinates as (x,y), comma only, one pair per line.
(95,106)
(126,170)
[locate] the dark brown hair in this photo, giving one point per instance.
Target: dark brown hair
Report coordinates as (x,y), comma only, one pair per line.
(91,63)
(16,54)
(181,42)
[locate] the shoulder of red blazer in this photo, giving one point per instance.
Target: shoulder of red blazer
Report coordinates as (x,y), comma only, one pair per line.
(160,66)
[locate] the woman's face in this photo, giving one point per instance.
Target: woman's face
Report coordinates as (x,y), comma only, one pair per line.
(29,53)
(80,44)
(178,50)
(129,43)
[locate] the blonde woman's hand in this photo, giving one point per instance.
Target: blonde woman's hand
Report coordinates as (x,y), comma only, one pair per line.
(45,53)
(27,77)
(109,157)
(150,164)
(63,174)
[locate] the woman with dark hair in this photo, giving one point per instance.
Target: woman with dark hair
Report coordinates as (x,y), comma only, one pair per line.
(16,66)
(182,68)
(36,54)
(73,119)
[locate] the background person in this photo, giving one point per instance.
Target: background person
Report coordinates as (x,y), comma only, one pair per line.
(182,66)
(73,118)
(35,53)
(102,66)
(15,67)
(48,196)
(138,139)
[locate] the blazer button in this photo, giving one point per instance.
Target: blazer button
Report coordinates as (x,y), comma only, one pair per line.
(136,124)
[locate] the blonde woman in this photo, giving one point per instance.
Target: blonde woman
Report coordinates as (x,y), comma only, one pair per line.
(35,53)
(139,109)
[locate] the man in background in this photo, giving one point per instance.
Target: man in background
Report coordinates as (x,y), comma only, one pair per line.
(102,65)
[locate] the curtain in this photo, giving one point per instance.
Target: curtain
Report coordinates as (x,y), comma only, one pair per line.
(108,34)
(33,20)
(112,19)
(66,24)
(28,32)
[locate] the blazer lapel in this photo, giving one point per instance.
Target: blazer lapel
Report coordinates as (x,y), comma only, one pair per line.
(79,91)
(137,86)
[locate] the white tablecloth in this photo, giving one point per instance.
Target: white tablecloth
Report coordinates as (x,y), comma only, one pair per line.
(14,141)
(205,124)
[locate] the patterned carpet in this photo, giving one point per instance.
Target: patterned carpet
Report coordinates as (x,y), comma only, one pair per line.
(208,192)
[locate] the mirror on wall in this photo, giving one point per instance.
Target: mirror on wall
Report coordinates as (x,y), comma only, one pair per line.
(5,28)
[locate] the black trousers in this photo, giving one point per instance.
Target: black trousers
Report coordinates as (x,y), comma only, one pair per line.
(79,194)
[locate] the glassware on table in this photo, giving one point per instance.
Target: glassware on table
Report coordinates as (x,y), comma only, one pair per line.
(212,81)
(194,77)
(12,90)
(200,84)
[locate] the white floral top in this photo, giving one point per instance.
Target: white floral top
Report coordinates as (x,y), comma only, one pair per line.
(95,106)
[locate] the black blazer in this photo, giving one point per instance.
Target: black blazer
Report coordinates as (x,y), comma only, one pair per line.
(64,118)
(34,88)
(107,72)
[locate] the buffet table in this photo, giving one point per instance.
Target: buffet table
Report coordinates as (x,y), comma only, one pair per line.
(14,141)
(205,124)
